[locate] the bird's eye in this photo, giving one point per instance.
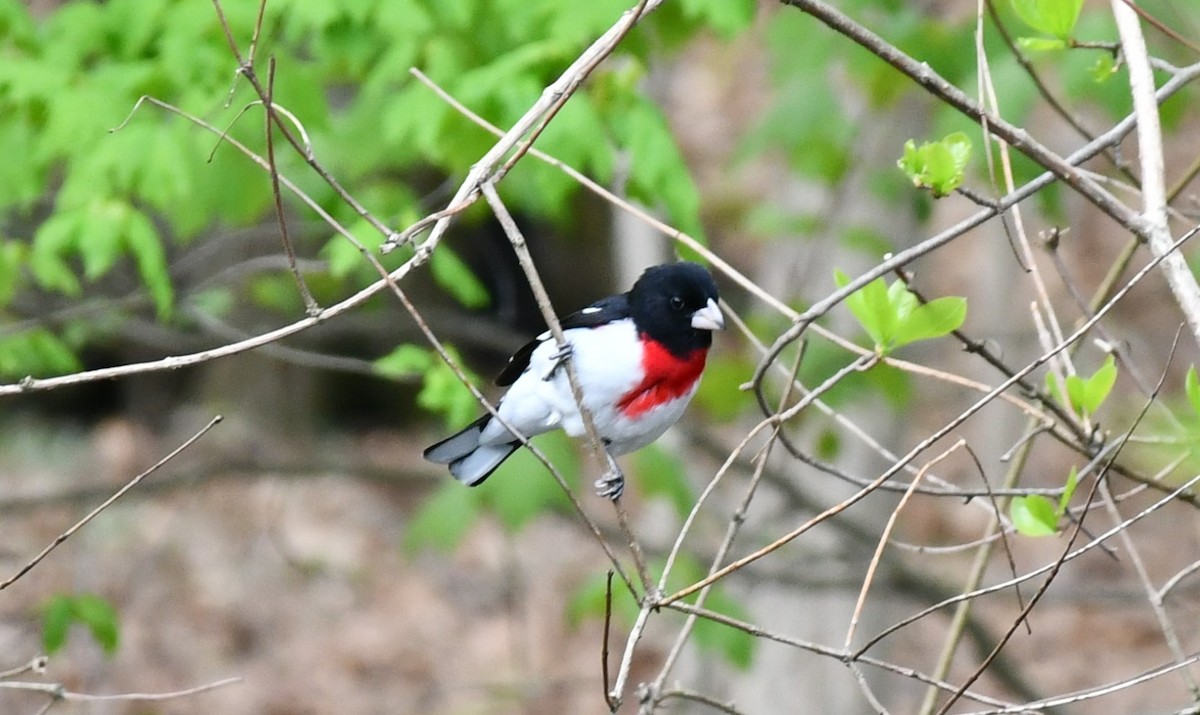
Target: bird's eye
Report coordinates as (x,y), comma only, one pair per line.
(676,303)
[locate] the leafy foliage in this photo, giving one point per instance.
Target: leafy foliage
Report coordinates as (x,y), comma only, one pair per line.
(130,201)
(893,317)
(441,390)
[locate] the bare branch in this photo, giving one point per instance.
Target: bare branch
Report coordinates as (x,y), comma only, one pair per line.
(107,503)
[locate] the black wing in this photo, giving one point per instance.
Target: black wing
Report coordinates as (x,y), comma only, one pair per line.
(601,312)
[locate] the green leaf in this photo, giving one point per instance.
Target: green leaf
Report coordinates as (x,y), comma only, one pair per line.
(53,356)
(589,599)
(443,393)
(100,245)
(1103,69)
(1033,515)
(443,519)
(100,618)
(36,352)
(719,395)
(939,166)
(56,621)
(453,275)
(872,307)
(1053,17)
(1087,394)
(1054,387)
(1068,492)
(12,258)
(525,490)
(936,318)
(892,316)
(61,610)
(735,645)
(441,390)
(1042,44)
(829,445)
(278,292)
(54,238)
(726,17)
(405,361)
(215,302)
(151,260)
(1192,386)
(343,257)
(657,472)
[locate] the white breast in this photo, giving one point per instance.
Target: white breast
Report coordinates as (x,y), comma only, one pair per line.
(608,362)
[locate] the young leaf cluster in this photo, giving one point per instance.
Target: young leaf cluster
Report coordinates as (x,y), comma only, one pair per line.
(1085,395)
(87,609)
(893,316)
(939,166)
(1036,515)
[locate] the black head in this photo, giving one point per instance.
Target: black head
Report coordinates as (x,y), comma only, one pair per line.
(676,305)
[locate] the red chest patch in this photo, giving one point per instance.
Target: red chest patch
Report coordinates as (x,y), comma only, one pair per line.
(666,378)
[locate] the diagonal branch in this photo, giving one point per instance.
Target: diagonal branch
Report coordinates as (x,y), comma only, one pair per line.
(1150,154)
(107,503)
(550,101)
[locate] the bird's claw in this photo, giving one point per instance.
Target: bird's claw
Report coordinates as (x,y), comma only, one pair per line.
(557,360)
(611,486)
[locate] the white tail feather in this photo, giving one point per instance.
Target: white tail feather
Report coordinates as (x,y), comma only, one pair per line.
(473,468)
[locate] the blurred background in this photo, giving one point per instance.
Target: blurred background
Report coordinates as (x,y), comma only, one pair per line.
(304,546)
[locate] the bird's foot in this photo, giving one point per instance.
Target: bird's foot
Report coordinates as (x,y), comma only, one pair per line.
(557,360)
(612,485)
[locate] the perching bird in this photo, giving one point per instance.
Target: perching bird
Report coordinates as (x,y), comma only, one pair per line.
(638,357)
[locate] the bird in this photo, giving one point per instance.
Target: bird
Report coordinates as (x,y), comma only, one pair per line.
(638,357)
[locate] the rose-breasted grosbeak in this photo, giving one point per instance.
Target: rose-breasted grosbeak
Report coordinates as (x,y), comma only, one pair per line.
(638,356)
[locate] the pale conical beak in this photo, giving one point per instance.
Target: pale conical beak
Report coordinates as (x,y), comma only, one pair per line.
(709,317)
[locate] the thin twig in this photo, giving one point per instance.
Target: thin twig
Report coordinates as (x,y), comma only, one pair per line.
(37,665)
(310,304)
(695,697)
(564,86)
(59,692)
(731,531)
(1174,581)
(1096,692)
(869,578)
(1058,167)
(387,281)
(926,442)
(824,650)
(604,643)
(246,69)
(517,240)
(107,503)
(616,695)
(1093,544)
